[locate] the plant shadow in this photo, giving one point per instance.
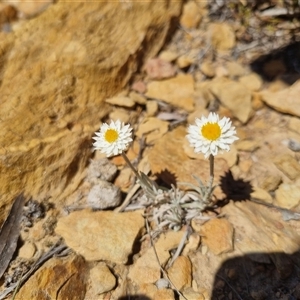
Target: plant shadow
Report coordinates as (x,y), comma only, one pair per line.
(234,189)
(166,179)
(267,276)
(259,275)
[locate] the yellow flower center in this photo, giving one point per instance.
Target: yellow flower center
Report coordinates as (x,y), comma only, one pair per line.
(211,131)
(111,135)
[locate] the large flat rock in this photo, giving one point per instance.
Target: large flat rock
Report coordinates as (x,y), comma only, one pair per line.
(56,71)
(102,235)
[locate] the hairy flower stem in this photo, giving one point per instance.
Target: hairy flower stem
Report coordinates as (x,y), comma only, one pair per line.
(211,180)
(211,170)
(136,173)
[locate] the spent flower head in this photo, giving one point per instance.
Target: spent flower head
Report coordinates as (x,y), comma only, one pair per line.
(211,134)
(112,139)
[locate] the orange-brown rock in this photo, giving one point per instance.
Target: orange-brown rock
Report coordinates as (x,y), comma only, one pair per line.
(101,235)
(218,235)
(234,96)
(180,273)
(177,91)
(168,157)
(59,278)
(56,71)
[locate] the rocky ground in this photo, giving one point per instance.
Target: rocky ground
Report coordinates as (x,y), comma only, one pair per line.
(66,68)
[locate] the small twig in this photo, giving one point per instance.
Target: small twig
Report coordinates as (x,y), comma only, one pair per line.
(157,258)
(17,287)
(180,246)
(128,198)
(136,173)
(142,148)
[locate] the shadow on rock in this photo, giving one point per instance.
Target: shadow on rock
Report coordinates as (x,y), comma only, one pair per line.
(283,63)
(259,276)
(234,189)
(166,179)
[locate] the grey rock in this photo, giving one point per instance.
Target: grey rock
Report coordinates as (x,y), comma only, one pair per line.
(101,169)
(104,195)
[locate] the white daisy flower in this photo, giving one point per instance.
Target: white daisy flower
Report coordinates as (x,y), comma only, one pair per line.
(113,139)
(211,134)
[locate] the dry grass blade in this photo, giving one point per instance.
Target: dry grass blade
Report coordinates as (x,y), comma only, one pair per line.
(10,233)
(158,261)
(55,250)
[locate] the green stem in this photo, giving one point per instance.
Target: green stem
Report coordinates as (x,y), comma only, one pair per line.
(211,170)
(132,167)
(211,180)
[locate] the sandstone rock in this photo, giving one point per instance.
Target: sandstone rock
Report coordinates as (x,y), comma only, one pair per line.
(191,15)
(120,114)
(205,267)
(247,145)
(152,128)
(139,86)
(294,124)
(146,268)
(166,294)
(260,229)
(252,81)
(100,235)
(235,69)
(178,91)
(57,279)
(257,102)
(152,108)
(156,68)
(198,113)
(30,9)
(231,157)
(192,244)
(189,293)
(290,105)
(8,13)
(138,98)
(234,96)
(222,36)
(38,232)
(262,195)
(102,280)
(208,69)
(217,234)
(125,179)
(245,165)
(169,56)
(164,156)
(121,101)
(288,195)
(148,290)
(184,61)
(270,182)
(288,165)
(221,71)
(27,251)
(68,79)
(180,273)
